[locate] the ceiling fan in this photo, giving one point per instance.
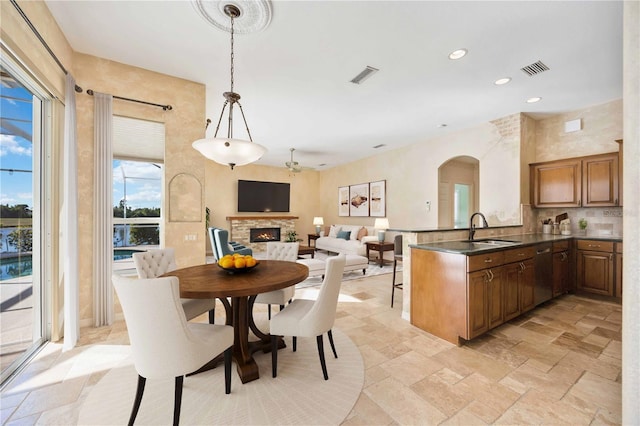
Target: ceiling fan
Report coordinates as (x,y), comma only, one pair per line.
(293,166)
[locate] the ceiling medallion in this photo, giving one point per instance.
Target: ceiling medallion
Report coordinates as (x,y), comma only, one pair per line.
(255,15)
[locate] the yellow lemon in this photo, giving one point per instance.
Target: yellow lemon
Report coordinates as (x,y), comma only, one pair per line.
(240,263)
(250,262)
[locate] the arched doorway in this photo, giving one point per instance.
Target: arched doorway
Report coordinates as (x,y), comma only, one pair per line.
(458,191)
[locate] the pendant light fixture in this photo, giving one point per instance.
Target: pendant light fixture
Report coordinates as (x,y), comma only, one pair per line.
(228,150)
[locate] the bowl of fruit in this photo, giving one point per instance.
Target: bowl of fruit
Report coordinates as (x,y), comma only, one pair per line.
(237,263)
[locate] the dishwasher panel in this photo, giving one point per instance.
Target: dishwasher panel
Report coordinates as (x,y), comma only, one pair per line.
(543,264)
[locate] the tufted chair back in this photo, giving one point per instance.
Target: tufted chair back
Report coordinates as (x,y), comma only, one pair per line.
(155,262)
(282,251)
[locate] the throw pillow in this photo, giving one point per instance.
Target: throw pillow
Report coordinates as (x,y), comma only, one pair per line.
(344,234)
(362,233)
(333,231)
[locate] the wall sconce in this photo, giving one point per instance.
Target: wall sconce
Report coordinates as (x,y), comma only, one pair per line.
(381,224)
(318,222)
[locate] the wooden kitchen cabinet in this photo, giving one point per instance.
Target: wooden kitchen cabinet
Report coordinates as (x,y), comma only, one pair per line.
(595,267)
(591,181)
(556,183)
(561,267)
(600,180)
(527,286)
(618,260)
(478,303)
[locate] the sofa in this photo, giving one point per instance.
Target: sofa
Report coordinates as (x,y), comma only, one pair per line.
(347,239)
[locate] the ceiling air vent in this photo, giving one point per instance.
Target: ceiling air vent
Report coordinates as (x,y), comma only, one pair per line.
(364,74)
(535,68)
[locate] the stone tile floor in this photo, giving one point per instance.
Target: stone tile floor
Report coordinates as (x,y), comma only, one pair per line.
(559,364)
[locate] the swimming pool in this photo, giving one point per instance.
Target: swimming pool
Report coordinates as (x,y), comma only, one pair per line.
(21,265)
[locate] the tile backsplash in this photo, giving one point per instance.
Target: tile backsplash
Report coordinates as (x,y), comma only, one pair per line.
(600,221)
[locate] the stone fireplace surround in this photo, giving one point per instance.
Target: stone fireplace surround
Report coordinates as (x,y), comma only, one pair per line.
(239,227)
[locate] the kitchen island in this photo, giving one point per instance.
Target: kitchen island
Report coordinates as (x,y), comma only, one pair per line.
(462,289)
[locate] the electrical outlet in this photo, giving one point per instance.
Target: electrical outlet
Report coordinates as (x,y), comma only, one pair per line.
(428,206)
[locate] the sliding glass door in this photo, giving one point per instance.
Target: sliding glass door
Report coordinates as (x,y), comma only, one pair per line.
(22,110)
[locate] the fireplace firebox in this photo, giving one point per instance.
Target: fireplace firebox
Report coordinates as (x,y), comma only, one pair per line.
(261,235)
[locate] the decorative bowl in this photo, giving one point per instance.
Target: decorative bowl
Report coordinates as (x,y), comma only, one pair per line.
(234,270)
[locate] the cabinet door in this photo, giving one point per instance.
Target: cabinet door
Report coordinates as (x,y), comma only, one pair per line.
(600,181)
(618,290)
(526,284)
(511,300)
(495,295)
(477,303)
(556,184)
(595,272)
(560,273)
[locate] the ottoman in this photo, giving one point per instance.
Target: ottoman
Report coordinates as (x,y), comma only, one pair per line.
(316,266)
(355,262)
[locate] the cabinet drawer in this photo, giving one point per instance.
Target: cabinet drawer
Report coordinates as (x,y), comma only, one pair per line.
(484,261)
(560,246)
(595,245)
(519,254)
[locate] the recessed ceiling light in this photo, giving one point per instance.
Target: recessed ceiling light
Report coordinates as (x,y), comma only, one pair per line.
(501,81)
(534,100)
(442,125)
(457,54)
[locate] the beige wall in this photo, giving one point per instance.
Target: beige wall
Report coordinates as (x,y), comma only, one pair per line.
(183,124)
(412,176)
(601,126)
(222,186)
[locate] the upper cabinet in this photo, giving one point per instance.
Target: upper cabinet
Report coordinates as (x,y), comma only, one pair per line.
(576,182)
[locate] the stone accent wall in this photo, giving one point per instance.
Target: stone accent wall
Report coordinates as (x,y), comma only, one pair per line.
(239,229)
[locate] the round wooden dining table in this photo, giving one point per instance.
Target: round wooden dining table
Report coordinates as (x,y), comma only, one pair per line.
(210,281)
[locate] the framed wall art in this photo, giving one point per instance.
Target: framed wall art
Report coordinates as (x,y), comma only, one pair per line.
(343,201)
(359,200)
(377,198)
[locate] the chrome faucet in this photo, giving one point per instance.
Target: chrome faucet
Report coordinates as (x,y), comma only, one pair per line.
(472,227)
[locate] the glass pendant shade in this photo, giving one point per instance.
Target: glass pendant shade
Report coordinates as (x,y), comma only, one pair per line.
(230,152)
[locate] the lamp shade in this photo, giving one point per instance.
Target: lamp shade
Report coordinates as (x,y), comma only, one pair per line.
(381,223)
(230,152)
(318,221)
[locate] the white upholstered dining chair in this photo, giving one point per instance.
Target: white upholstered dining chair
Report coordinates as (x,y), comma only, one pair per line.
(309,318)
(277,250)
(163,343)
(155,262)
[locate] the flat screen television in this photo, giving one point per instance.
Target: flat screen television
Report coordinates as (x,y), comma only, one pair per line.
(257,196)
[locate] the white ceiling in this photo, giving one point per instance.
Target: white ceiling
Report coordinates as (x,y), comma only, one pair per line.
(294,75)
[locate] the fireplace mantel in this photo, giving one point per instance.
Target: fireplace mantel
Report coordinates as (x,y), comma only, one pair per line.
(240,227)
(260,217)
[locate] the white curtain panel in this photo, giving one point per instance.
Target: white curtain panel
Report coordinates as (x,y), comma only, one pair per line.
(70,220)
(103,211)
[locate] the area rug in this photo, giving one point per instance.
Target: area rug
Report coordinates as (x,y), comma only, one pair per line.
(298,396)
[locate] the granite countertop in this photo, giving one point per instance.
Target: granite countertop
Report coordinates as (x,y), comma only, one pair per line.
(477,246)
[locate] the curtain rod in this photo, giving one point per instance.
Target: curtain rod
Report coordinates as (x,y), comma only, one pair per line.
(44,43)
(164,107)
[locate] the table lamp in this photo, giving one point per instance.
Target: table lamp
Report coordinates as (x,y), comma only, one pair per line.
(381,224)
(318,222)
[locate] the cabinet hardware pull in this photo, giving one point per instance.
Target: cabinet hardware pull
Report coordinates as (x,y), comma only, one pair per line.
(488,260)
(564,256)
(491,272)
(594,245)
(610,258)
(520,254)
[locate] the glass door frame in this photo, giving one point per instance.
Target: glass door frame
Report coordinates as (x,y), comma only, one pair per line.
(43,210)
